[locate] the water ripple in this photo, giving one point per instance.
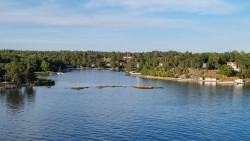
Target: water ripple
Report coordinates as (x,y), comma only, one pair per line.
(176,112)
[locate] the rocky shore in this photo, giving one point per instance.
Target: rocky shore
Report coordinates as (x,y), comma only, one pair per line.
(145,87)
(108,86)
(227,82)
(114,86)
(79,88)
(166,78)
(8,86)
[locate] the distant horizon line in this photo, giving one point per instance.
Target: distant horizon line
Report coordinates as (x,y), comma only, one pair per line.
(122,51)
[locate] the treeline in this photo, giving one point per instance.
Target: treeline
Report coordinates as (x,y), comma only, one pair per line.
(19,66)
(175,64)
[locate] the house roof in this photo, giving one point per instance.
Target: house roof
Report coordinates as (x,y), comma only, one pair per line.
(232,63)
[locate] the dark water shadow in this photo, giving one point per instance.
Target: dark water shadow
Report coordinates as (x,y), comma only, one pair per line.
(16,99)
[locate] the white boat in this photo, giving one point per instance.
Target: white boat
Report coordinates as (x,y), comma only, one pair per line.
(239,81)
(59,73)
(134,73)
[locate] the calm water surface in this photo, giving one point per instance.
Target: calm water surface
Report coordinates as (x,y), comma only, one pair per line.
(178,111)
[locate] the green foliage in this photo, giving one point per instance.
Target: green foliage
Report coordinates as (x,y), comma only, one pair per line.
(15,71)
(240,75)
(246,73)
(21,65)
(226,70)
(44,65)
(44,82)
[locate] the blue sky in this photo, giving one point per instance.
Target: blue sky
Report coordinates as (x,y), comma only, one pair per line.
(125,25)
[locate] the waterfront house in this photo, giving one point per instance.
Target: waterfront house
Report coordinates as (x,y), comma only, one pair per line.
(127,59)
(234,66)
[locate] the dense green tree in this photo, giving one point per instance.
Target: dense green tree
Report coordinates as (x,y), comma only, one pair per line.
(44,65)
(15,71)
(175,64)
(99,63)
(226,70)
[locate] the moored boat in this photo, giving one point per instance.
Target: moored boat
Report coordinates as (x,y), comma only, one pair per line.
(239,81)
(59,73)
(134,73)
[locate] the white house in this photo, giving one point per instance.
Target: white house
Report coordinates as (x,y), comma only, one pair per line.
(234,66)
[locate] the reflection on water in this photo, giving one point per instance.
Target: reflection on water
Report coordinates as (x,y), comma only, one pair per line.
(30,94)
(210,83)
(17,98)
(14,99)
(214,84)
(207,83)
(239,86)
(236,89)
(178,111)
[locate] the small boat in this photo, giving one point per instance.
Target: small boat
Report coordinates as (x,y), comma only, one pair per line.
(239,81)
(134,73)
(59,71)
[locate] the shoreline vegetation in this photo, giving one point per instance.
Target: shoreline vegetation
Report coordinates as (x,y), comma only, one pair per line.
(22,67)
(38,82)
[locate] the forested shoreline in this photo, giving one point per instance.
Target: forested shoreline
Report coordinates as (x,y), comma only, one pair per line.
(20,66)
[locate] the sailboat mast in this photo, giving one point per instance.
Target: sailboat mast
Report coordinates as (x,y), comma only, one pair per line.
(230,54)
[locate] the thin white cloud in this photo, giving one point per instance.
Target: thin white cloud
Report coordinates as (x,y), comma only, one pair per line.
(54,15)
(198,6)
(96,21)
(122,24)
(119,13)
